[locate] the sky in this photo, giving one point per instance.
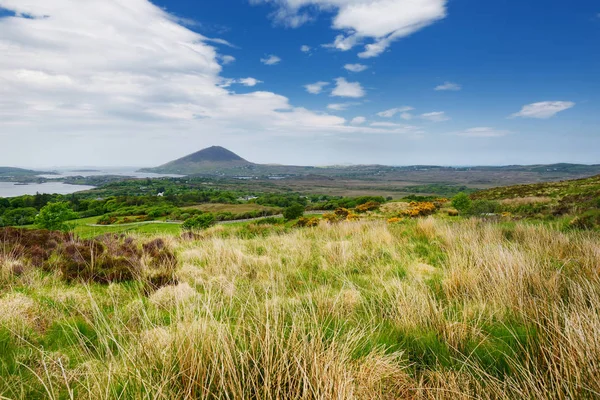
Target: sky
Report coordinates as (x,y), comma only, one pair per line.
(304,82)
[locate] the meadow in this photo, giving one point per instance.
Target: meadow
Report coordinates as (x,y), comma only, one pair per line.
(419,308)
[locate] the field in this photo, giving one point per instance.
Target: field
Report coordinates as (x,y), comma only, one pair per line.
(419,309)
(231,208)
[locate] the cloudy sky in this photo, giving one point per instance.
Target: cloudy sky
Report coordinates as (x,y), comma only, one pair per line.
(139,82)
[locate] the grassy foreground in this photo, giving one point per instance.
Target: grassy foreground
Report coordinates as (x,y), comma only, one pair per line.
(421,309)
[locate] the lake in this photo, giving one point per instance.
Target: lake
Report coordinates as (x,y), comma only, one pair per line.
(10,189)
(99,171)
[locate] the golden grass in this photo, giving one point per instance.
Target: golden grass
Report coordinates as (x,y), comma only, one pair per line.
(425,309)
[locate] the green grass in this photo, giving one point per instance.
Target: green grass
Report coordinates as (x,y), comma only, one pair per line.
(417,309)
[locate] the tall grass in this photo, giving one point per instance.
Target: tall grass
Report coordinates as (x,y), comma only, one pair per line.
(425,309)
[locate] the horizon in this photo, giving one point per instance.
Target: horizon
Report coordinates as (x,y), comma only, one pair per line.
(311,82)
(53,168)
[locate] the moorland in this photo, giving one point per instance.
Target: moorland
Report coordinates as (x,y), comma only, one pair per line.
(224,288)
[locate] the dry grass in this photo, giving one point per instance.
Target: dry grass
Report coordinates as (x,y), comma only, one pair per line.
(424,309)
(519,201)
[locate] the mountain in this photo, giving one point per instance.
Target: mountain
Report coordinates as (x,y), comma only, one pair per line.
(210,160)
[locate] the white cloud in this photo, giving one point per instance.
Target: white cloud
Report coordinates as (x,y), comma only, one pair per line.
(482,132)
(225,60)
(449,86)
(358,120)
(270,60)
(340,106)
(437,116)
(108,75)
(406,116)
(355,67)
(544,109)
(305,48)
(386,124)
(344,88)
(393,111)
(249,82)
(316,88)
(382,21)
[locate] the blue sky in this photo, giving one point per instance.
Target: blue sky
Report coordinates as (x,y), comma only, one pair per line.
(458,82)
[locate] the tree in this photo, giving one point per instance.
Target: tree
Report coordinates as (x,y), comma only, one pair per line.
(198,222)
(54,216)
(461,202)
(294,211)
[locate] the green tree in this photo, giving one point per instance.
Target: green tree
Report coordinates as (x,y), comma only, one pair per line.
(54,216)
(294,211)
(461,202)
(198,222)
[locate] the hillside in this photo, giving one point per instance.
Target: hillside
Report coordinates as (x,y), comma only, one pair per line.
(213,159)
(10,174)
(579,198)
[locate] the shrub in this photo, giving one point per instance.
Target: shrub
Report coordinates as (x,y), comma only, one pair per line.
(453,213)
(106,220)
(269,221)
(294,211)
(420,209)
(342,213)
(307,222)
(202,221)
(461,202)
(368,206)
(479,207)
(54,216)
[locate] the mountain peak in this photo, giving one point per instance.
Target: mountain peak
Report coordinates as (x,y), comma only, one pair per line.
(213,154)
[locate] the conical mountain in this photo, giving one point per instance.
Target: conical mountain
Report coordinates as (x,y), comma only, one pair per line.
(207,160)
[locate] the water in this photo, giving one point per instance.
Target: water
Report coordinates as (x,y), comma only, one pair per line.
(99,171)
(10,189)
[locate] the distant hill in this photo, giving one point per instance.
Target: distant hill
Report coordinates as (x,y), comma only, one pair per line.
(212,159)
(11,172)
(219,162)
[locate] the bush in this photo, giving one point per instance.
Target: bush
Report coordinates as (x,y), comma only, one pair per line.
(461,202)
(420,209)
(368,206)
(202,221)
(294,211)
(307,222)
(54,216)
(479,207)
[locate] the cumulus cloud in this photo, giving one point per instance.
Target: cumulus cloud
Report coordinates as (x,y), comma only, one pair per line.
(482,132)
(305,49)
(343,88)
(316,88)
(358,120)
(449,86)
(270,60)
(111,76)
(355,67)
(381,21)
(437,116)
(393,111)
(543,109)
(249,81)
